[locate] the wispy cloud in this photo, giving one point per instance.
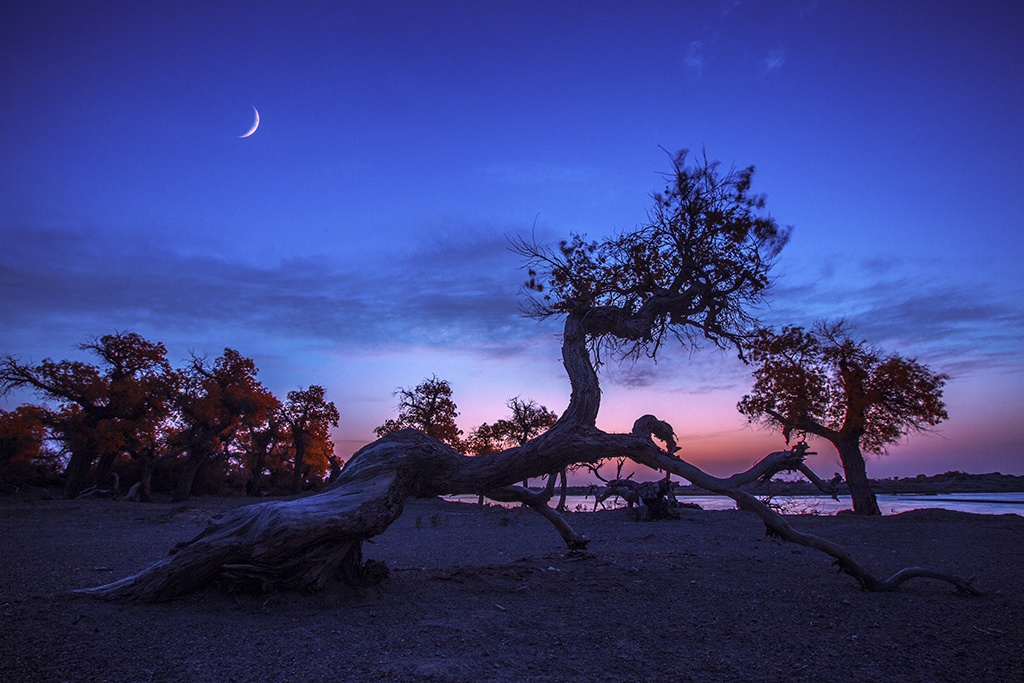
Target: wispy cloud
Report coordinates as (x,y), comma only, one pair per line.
(809,9)
(72,284)
(694,372)
(454,289)
(772,62)
(899,304)
(694,57)
(728,6)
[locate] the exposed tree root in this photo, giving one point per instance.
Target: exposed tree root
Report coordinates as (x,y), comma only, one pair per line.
(114,492)
(538,502)
(779,527)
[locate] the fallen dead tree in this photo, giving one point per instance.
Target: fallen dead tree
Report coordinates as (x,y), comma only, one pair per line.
(690,273)
(114,492)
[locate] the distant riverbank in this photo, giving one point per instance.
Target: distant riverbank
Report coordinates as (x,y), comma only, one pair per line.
(989,503)
(991,494)
(948,482)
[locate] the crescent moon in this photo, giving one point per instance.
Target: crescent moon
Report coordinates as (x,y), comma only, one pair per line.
(255,124)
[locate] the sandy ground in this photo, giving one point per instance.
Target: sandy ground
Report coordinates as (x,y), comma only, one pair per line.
(491,595)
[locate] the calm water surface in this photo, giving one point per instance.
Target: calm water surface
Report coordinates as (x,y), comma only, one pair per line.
(978,503)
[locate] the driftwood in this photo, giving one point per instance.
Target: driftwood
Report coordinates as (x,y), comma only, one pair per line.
(114,492)
(650,500)
(304,543)
(616,488)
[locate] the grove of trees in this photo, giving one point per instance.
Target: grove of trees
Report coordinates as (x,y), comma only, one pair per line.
(205,426)
(692,272)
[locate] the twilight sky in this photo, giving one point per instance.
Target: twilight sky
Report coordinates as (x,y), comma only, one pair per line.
(358,239)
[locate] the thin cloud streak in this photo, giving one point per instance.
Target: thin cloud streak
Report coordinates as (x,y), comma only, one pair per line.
(694,58)
(966,326)
(452,292)
(772,62)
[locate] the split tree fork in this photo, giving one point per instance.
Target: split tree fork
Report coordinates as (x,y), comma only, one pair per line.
(691,272)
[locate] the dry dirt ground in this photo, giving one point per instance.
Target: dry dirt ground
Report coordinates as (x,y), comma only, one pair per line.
(491,595)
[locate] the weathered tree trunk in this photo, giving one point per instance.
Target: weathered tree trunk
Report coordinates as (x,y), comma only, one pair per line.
(103,467)
(563,484)
(146,478)
(303,543)
(77,473)
(864,501)
(187,476)
(255,484)
(300,456)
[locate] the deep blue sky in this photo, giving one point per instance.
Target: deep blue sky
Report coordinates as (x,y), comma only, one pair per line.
(358,238)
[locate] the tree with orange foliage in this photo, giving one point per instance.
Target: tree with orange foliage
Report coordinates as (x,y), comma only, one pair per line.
(21,440)
(262,445)
(216,401)
(96,409)
(310,416)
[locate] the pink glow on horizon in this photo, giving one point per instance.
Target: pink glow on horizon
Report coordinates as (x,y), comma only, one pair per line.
(978,437)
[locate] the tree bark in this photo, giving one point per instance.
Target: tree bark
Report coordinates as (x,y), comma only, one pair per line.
(77,473)
(255,484)
(146,479)
(847,445)
(300,456)
(864,501)
(563,485)
(103,468)
(183,485)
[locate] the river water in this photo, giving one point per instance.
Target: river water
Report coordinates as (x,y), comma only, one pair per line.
(979,503)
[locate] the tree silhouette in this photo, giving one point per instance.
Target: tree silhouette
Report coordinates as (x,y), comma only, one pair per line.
(528,419)
(824,383)
(689,273)
(428,408)
(309,416)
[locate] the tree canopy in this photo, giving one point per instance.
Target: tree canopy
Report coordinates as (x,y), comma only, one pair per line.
(825,383)
(691,272)
(310,416)
(430,408)
(22,433)
(217,400)
(527,420)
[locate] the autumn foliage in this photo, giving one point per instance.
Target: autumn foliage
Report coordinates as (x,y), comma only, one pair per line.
(203,427)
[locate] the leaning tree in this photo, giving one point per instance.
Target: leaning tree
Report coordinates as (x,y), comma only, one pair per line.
(691,272)
(857,397)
